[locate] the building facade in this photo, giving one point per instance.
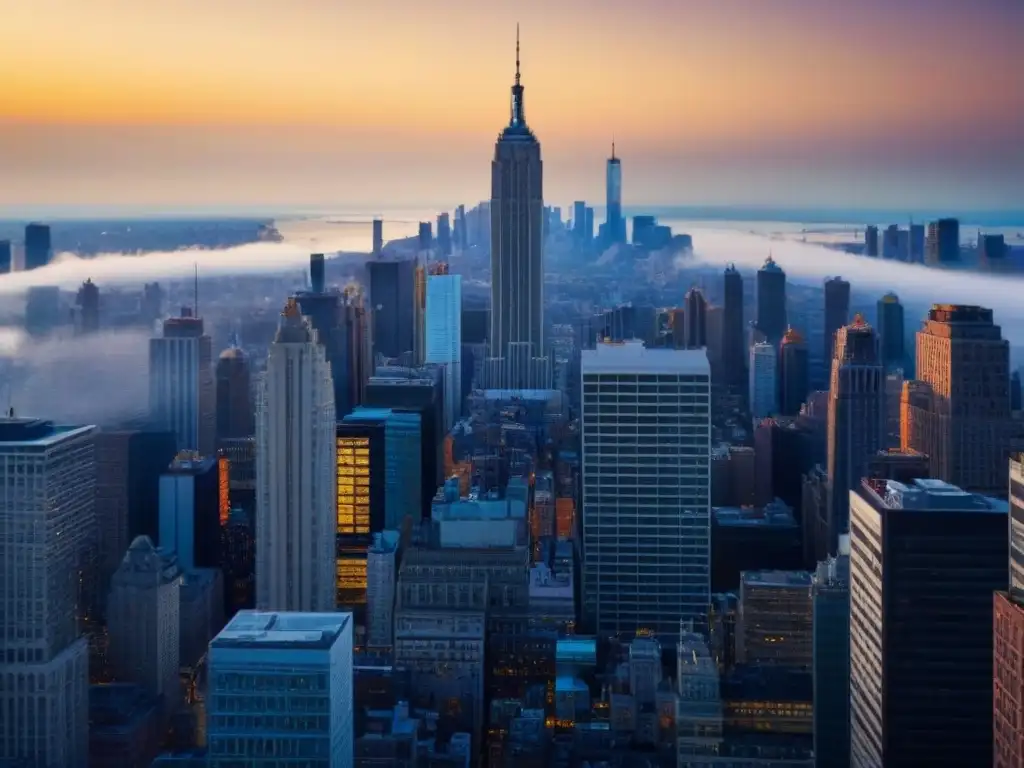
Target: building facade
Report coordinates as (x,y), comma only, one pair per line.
(771,301)
(182,392)
(764,380)
(444,338)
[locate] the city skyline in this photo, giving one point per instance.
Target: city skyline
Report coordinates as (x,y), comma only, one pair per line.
(723,107)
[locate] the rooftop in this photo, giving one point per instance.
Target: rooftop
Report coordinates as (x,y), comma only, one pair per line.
(923,495)
(256,629)
(633,357)
(36,433)
(776,578)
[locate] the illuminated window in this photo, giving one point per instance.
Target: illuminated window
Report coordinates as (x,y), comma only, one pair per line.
(353,486)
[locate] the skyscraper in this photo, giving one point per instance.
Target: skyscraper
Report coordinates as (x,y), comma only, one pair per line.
(444,338)
(234,396)
(47,524)
(615,227)
(871,241)
(6,257)
(444,234)
(88,308)
(890,331)
(324,310)
(793,373)
(1008,638)
(942,243)
(837,312)
(771,301)
(182,393)
(764,380)
(830,597)
(856,422)
(392,286)
(38,248)
(296,498)
(645,499)
(378,237)
(925,559)
(192,511)
(695,319)
(517,265)
(734,347)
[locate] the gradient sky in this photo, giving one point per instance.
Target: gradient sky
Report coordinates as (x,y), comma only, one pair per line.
(906,104)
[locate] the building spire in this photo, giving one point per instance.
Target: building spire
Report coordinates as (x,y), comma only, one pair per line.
(613,146)
(517,118)
(517,53)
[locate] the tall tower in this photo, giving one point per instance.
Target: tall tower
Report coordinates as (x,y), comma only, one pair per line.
(734,352)
(444,338)
(695,319)
(517,264)
(856,422)
(890,330)
(771,301)
(182,393)
(616,225)
(837,313)
(793,373)
(38,246)
(89,308)
(234,395)
(296,454)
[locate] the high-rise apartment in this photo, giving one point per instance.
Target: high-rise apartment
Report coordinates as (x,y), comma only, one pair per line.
(890,331)
(837,313)
(47,528)
(871,241)
(764,381)
(646,447)
(734,345)
(143,618)
(38,246)
(961,415)
(695,319)
(182,393)
(517,261)
(444,338)
(296,475)
(856,422)
(303,661)
(1008,639)
(771,301)
(925,558)
(234,396)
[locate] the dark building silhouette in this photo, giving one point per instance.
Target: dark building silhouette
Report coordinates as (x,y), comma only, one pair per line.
(151,306)
(615,224)
(782,455)
(992,251)
(837,312)
(317,283)
(476,323)
(891,331)
(392,291)
(871,241)
(695,319)
(378,237)
(444,234)
(771,301)
(425,238)
(42,310)
(925,559)
(38,247)
(942,243)
(794,373)
(235,414)
(193,510)
(238,546)
(734,346)
(6,257)
(517,259)
(88,308)
(856,423)
(1015,391)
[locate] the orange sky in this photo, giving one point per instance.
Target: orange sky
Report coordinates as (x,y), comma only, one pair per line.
(246,101)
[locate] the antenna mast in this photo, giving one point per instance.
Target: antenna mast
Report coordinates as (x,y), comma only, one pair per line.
(195,298)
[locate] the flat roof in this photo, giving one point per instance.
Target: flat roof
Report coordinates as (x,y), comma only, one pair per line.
(265,630)
(777,578)
(634,357)
(929,495)
(36,433)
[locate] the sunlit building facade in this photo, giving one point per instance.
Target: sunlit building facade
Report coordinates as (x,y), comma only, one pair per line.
(444,338)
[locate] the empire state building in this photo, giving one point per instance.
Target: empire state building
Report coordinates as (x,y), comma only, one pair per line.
(517,265)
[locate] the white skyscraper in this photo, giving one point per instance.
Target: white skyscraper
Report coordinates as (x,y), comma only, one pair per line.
(47,527)
(143,614)
(303,661)
(764,383)
(182,389)
(646,434)
(296,473)
(444,338)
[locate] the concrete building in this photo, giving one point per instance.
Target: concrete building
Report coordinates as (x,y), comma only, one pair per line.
(234,397)
(381,580)
(143,619)
(192,510)
(444,338)
(47,526)
(182,392)
(775,621)
(830,595)
(1008,639)
(764,381)
(303,661)
(924,557)
(296,499)
(645,438)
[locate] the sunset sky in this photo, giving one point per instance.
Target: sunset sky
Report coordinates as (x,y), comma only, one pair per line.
(906,104)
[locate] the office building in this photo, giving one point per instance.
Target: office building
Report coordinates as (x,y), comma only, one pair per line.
(992,252)
(837,312)
(961,410)
(588,225)
(615,225)
(794,373)
(38,247)
(856,422)
(1008,638)
(143,617)
(942,243)
(517,260)
(579,220)
(296,475)
(381,578)
(890,331)
(764,382)
(775,621)
(392,285)
(734,345)
(192,510)
(425,238)
(47,524)
(645,438)
(234,397)
(925,558)
(182,393)
(444,339)
(6,257)
(394,450)
(88,301)
(871,241)
(378,237)
(771,301)
(305,659)
(444,235)
(42,310)
(695,319)
(830,596)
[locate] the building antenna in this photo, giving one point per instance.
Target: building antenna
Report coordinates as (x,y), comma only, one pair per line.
(517,53)
(195,298)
